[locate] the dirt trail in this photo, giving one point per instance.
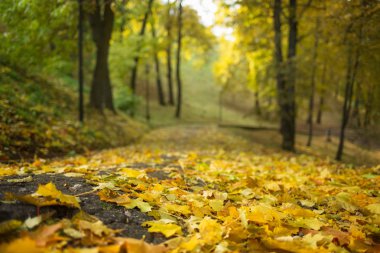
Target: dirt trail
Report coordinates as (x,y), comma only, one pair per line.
(161,148)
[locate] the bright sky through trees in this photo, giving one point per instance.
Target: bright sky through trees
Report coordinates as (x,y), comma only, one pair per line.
(207,10)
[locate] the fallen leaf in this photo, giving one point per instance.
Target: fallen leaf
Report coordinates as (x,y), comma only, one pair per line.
(210,230)
(9,226)
(167,229)
(32,222)
(97,228)
(23,244)
(139,203)
(374,208)
(132,173)
(216,204)
(21,180)
(139,246)
(312,223)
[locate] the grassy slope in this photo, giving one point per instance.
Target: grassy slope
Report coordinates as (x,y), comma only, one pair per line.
(200,101)
(39,118)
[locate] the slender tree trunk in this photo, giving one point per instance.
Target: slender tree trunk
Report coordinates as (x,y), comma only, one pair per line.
(80,60)
(169,55)
(322,95)
(356,110)
(368,108)
(221,92)
(123,19)
(101,21)
(280,79)
(352,68)
(178,69)
(312,86)
(320,109)
(160,92)
(147,93)
(137,57)
(257,103)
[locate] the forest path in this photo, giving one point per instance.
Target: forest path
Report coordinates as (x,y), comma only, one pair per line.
(205,185)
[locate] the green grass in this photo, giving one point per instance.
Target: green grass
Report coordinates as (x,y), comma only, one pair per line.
(200,101)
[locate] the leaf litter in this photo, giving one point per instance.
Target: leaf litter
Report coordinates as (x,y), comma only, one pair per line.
(190,189)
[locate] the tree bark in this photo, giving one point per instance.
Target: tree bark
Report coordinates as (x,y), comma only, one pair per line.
(312,86)
(147,92)
(257,103)
(160,92)
(352,68)
(286,86)
(101,21)
(137,57)
(169,55)
(123,18)
(320,108)
(322,95)
(356,110)
(368,108)
(80,60)
(280,79)
(289,118)
(178,69)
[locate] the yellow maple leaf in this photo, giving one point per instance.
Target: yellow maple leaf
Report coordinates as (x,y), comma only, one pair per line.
(374,208)
(132,173)
(50,190)
(139,246)
(216,204)
(30,199)
(290,245)
(211,231)
(191,244)
(311,223)
(97,228)
(177,208)
(264,214)
(167,229)
(23,244)
(143,206)
(297,211)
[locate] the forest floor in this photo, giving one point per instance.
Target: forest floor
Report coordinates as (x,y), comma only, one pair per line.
(191,188)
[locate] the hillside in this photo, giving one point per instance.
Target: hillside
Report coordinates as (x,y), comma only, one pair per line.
(38,117)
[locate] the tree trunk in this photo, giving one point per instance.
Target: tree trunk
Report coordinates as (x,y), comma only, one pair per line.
(160,91)
(286,87)
(147,93)
(101,21)
(178,69)
(80,60)
(368,108)
(322,95)
(289,128)
(169,56)
(312,86)
(137,57)
(356,110)
(257,103)
(123,18)
(280,79)
(320,109)
(352,68)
